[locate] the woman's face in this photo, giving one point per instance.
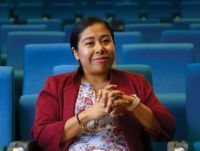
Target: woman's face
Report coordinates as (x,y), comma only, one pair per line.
(95,49)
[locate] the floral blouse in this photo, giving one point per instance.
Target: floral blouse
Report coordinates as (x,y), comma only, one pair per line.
(108,136)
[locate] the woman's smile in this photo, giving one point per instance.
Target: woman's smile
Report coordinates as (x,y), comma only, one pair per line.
(101,59)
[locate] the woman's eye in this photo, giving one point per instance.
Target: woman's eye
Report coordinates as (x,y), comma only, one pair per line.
(89,43)
(106,40)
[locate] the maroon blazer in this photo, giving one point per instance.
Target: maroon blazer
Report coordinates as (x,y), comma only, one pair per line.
(56,103)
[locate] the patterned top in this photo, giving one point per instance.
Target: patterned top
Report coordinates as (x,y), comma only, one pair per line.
(108,136)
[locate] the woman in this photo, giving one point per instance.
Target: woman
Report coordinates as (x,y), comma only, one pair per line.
(97,107)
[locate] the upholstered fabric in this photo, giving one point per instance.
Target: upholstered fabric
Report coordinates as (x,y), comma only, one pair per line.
(192,102)
(39,60)
(168,62)
(6,105)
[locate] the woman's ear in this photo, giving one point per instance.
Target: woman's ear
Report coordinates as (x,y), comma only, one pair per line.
(75,52)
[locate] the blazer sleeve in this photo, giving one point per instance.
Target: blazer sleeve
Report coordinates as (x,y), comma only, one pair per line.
(165,119)
(48,127)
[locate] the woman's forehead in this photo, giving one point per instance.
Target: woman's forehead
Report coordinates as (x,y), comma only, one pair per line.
(97,29)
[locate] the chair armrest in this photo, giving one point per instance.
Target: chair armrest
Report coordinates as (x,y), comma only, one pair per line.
(196,146)
(23,146)
(2,148)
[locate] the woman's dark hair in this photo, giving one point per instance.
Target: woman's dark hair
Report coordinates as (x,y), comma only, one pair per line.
(82,25)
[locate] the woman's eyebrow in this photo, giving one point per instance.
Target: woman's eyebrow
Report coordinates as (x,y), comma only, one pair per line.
(106,35)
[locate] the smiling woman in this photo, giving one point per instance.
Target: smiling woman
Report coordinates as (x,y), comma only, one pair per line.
(97,107)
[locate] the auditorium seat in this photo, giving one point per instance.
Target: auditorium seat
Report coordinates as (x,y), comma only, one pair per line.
(18,39)
(190,9)
(125,38)
(52,24)
(159,10)
(140,69)
(62,10)
(4,11)
(39,60)
(26,10)
(193,103)
(5,29)
(151,32)
(126,10)
(67,30)
(7,126)
(168,62)
(183,36)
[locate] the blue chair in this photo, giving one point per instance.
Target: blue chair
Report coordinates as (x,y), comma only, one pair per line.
(6,21)
(52,24)
(126,10)
(5,29)
(183,36)
(190,9)
(196,146)
(192,103)
(17,40)
(184,23)
(6,105)
(4,11)
(3,22)
(39,59)
(2,148)
(26,10)
(125,38)
(140,69)
(139,21)
(100,10)
(59,69)
(67,30)
(194,26)
(65,10)
(159,10)
(168,62)
(26,115)
(175,103)
(151,32)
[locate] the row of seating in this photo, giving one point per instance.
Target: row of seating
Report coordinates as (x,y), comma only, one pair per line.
(12,43)
(176,106)
(121,10)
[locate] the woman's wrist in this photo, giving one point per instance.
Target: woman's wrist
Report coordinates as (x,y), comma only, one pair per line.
(85,124)
(134,104)
(82,118)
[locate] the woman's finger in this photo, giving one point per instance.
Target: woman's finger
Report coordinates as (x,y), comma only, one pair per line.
(110,86)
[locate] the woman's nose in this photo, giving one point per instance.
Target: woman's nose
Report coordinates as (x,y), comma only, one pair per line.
(99,48)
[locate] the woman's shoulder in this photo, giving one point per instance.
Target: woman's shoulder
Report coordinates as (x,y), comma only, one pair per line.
(60,80)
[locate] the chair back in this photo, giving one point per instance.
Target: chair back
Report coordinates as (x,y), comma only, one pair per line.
(39,60)
(151,32)
(6,105)
(183,36)
(26,115)
(5,29)
(192,101)
(140,69)
(168,62)
(16,42)
(125,38)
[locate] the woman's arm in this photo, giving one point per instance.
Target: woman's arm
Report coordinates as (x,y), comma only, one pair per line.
(73,127)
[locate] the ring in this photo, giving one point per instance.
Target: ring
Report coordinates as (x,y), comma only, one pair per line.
(114,97)
(113,106)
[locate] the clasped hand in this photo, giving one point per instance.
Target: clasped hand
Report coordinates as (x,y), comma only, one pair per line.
(109,99)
